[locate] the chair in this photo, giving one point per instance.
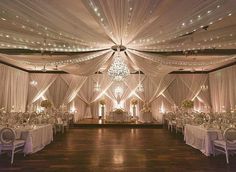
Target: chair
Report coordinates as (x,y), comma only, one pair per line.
(171,122)
(179,125)
(8,142)
(227,144)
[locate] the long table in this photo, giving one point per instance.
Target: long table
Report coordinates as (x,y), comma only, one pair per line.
(201,138)
(36,138)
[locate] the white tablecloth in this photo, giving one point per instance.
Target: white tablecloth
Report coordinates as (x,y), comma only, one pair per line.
(201,138)
(146,117)
(37,138)
(118,117)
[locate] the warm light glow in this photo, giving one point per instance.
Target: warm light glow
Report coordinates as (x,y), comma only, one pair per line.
(118,91)
(118,70)
(97,87)
(118,157)
(39,109)
(204,87)
(162,108)
(118,105)
(73,109)
(33,83)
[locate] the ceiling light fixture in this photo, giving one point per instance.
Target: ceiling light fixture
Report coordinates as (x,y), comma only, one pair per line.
(118,70)
(33,83)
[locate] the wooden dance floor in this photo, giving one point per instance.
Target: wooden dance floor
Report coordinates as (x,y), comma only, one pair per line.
(118,149)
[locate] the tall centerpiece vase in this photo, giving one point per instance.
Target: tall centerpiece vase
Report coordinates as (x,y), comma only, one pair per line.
(46,104)
(134,102)
(188,105)
(134,111)
(103,111)
(102,104)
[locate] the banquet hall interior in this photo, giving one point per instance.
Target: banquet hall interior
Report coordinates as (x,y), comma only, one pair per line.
(117,85)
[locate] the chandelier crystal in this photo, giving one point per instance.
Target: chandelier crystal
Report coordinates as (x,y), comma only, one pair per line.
(118,70)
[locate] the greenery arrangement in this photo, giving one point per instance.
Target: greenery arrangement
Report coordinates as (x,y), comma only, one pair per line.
(187,104)
(46,104)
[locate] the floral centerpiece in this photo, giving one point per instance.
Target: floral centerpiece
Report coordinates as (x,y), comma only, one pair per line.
(146,108)
(119,111)
(46,104)
(187,104)
(102,102)
(134,102)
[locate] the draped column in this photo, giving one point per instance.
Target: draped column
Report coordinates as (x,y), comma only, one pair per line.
(13,88)
(222,89)
(89,96)
(44,81)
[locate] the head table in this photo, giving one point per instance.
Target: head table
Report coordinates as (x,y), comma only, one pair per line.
(202,138)
(118,116)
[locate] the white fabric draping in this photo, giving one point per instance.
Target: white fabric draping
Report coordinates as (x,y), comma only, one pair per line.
(223,90)
(159,106)
(170,89)
(149,67)
(58,90)
(132,82)
(194,83)
(118,92)
(92,26)
(89,96)
(75,83)
(154,87)
(89,67)
(13,88)
(187,86)
(44,81)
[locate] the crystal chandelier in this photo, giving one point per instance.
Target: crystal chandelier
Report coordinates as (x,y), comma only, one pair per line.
(118,70)
(140,85)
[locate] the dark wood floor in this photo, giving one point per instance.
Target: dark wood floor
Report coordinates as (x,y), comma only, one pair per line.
(117,149)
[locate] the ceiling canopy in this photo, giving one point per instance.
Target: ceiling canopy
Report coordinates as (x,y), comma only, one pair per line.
(77,36)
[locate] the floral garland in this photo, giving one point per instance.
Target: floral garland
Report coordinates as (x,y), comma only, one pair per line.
(187,104)
(46,104)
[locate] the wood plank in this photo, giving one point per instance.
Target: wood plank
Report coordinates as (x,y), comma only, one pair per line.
(118,149)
